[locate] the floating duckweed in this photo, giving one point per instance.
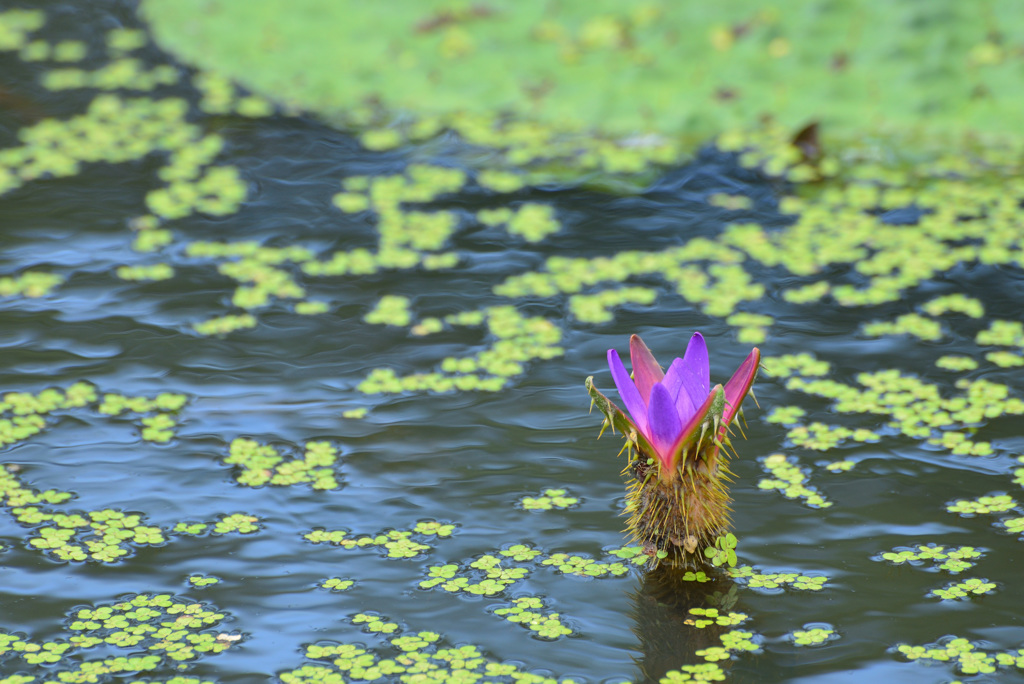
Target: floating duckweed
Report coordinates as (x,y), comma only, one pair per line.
(964,589)
(953,560)
(527,611)
(1002,333)
(533,222)
(169,629)
(428,326)
(517,340)
(122,40)
(954,303)
(786,415)
(636,556)
(840,466)
(795,364)
(312,308)
(806,294)
(595,308)
(746,574)
(707,672)
(337,584)
(738,640)
(152,239)
(222,325)
(822,437)
(521,552)
(500,181)
(1005,359)
(753,328)
(190,528)
(263,465)
(723,552)
(1014,525)
(909,324)
(395,543)
(420,657)
(355,413)
(812,636)
(788,478)
(32,284)
(126,73)
(548,499)
(200,581)
(16,24)
(583,566)
(917,408)
(964,655)
(956,363)
(705,617)
(237,522)
(730,202)
(985,504)
(390,310)
(493,577)
(152,272)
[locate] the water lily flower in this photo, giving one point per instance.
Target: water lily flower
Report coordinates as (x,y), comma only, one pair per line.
(672,409)
(677,497)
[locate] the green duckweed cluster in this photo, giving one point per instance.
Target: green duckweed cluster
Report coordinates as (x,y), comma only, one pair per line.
(952,560)
(964,589)
(812,636)
(549,499)
(516,340)
(527,611)
(390,310)
(723,553)
(596,308)
(705,672)
(237,523)
(201,581)
(983,504)
(144,273)
(957,364)
(821,437)
(31,284)
(157,428)
(337,584)
(913,324)
(415,657)
(749,576)
(705,617)
(392,543)
(791,480)
(917,408)
(168,629)
(967,657)
(262,464)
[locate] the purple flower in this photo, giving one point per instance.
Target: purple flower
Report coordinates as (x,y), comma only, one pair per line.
(671,409)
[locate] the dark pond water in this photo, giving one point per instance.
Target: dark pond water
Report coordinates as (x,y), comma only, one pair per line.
(462,457)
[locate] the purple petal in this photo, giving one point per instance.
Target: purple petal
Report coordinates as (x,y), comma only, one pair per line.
(663,420)
(696,373)
(674,383)
(635,405)
(646,371)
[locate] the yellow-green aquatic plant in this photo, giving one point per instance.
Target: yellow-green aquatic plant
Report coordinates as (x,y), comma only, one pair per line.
(677,499)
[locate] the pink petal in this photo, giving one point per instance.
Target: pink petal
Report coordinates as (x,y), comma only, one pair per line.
(663,422)
(739,384)
(635,405)
(646,371)
(696,371)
